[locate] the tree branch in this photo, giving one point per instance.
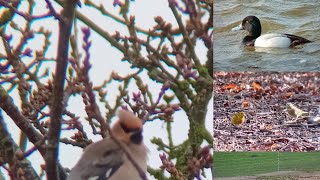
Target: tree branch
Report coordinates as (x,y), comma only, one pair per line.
(6,103)
(57,107)
(8,149)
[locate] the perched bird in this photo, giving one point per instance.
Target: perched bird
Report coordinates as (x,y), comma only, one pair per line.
(254,38)
(295,112)
(106,160)
(238,118)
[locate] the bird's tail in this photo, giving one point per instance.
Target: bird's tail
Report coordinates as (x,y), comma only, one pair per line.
(305,114)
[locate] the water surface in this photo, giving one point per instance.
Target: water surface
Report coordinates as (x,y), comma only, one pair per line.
(298,17)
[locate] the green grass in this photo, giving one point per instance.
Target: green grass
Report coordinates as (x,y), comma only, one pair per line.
(232,164)
(277,178)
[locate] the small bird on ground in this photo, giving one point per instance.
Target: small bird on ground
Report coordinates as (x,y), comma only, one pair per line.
(238,118)
(106,160)
(295,112)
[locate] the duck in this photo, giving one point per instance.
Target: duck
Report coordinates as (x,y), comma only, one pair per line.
(274,40)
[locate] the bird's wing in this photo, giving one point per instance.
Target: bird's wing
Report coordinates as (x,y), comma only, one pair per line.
(298,39)
(110,162)
(101,161)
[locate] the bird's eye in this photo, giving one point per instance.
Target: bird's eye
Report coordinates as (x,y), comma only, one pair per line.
(124,127)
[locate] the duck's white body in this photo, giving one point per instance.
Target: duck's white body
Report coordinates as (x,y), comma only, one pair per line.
(276,40)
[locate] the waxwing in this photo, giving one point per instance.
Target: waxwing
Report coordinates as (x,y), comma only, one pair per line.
(106,160)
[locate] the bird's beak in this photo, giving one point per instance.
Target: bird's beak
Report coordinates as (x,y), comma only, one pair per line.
(237,28)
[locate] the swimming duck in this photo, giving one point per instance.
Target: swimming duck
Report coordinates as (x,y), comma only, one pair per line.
(253,26)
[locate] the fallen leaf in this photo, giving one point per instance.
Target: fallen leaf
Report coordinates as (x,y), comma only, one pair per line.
(256,86)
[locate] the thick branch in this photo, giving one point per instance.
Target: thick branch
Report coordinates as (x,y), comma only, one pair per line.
(57,104)
(209,62)
(8,148)
(6,103)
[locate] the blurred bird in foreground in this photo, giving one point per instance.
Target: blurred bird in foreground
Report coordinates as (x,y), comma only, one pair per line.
(295,112)
(106,160)
(238,118)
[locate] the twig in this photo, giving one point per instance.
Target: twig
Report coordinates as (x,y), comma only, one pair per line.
(94,108)
(6,103)
(26,16)
(52,11)
(190,46)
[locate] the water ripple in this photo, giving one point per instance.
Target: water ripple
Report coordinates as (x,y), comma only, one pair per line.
(299,17)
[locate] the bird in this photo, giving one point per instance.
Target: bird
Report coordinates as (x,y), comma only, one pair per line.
(295,112)
(277,40)
(238,118)
(106,160)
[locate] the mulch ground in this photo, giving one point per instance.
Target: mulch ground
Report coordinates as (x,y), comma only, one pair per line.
(263,97)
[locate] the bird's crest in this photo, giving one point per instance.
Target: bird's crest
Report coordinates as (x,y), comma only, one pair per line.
(128,119)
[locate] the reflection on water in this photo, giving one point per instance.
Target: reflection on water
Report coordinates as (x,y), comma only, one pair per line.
(298,17)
